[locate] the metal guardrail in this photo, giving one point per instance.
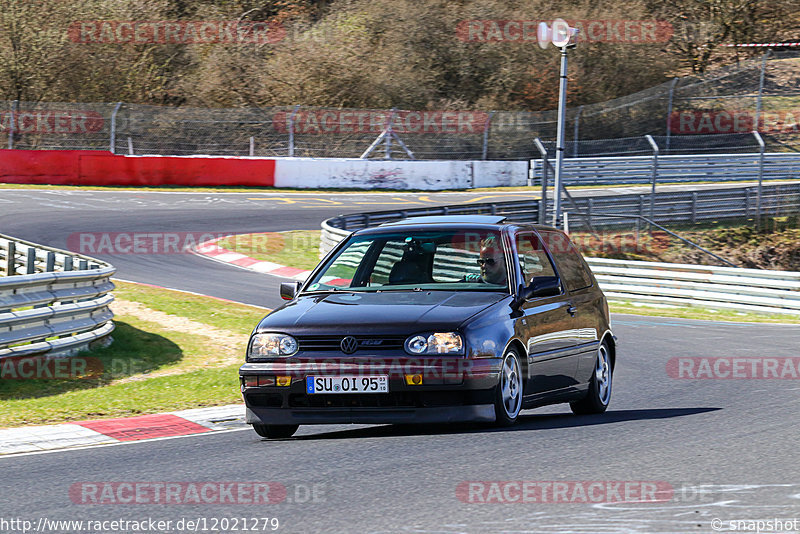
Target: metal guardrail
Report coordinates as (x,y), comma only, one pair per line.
(640,169)
(646,282)
(696,285)
(668,207)
(52,302)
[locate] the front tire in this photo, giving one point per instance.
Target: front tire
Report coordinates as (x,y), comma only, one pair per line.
(508,395)
(599,394)
(275,431)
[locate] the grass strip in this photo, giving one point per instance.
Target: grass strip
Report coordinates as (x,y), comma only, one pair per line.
(150,367)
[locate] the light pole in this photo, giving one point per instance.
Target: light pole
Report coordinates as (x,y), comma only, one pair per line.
(560,36)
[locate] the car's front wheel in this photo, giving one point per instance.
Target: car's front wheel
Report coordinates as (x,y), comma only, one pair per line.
(275,431)
(599,395)
(508,396)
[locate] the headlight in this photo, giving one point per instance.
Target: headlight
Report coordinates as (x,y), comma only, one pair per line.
(437,343)
(272,346)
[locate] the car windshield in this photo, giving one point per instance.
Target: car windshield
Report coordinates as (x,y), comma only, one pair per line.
(456,260)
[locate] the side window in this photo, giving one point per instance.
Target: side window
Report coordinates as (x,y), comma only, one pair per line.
(533,260)
(570,264)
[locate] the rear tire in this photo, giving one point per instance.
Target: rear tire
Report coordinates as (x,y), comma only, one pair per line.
(508,395)
(275,431)
(599,394)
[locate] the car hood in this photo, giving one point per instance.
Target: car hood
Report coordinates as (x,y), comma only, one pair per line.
(386,312)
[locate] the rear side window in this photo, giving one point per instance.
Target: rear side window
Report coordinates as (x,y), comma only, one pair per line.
(570,264)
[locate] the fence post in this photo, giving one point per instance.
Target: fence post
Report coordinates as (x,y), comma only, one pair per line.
(30,261)
(291,130)
(575,133)
(252,146)
(761,90)
(486,134)
(50,265)
(387,142)
(669,106)
(545,164)
(694,207)
(112,144)
(130,145)
(590,205)
(761,147)
(12,123)
(654,146)
(11,260)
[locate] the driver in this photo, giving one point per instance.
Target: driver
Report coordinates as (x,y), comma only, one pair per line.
(492,264)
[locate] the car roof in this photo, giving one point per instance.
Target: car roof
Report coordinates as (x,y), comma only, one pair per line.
(460,222)
(449,219)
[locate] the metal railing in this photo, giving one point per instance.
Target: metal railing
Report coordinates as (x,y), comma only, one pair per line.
(675,284)
(681,207)
(52,302)
(671,169)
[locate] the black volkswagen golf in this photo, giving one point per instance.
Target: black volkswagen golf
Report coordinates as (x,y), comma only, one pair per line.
(433,319)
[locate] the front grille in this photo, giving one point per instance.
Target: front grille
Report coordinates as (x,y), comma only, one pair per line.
(333,343)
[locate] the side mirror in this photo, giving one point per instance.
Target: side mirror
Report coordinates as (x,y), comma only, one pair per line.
(545,286)
(541,286)
(289,290)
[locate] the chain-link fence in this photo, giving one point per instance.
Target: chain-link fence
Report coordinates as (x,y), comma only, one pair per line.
(707,114)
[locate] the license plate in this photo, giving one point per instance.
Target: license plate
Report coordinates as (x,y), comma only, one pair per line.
(347,384)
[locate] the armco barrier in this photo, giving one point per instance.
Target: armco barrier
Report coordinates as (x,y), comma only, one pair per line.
(637,281)
(696,168)
(95,167)
(52,302)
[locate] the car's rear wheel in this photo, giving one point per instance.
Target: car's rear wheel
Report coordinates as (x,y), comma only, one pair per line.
(599,395)
(275,431)
(508,396)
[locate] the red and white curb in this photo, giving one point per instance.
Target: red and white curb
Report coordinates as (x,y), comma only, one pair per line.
(211,250)
(111,431)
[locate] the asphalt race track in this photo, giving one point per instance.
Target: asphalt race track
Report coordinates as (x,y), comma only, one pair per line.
(718,450)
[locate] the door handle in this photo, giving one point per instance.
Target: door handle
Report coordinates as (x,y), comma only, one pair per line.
(572,310)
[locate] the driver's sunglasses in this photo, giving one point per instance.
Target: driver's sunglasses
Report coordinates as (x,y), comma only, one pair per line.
(487,261)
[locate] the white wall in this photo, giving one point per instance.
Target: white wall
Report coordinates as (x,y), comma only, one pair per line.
(377,174)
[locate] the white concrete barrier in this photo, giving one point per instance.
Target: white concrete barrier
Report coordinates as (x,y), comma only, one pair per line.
(405,174)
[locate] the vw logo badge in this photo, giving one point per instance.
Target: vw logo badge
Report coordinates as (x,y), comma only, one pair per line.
(349,345)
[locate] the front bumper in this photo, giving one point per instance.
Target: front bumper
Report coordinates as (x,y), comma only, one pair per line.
(453,390)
